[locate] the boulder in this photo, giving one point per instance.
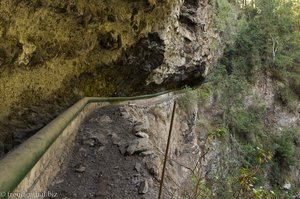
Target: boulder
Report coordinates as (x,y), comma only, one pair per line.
(142,135)
(144,187)
(139,145)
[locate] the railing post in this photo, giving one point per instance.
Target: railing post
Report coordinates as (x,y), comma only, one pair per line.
(167,151)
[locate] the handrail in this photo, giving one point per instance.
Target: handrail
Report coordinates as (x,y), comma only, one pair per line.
(17,164)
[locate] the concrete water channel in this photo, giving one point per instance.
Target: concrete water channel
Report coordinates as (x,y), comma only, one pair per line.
(28,170)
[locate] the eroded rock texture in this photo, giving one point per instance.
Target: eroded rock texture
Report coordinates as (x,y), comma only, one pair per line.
(54,52)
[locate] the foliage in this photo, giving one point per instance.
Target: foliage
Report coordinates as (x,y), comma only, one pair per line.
(204,92)
(255,155)
(227,20)
(262,40)
(284,157)
(250,181)
(247,123)
(193,97)
(286,96)
(268,42)
(294,82)
(189,99)
(218,132)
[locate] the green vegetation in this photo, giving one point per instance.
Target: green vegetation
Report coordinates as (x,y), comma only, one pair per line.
(194,96)
(286,96)
(261,39)
(284,157)
(227,20)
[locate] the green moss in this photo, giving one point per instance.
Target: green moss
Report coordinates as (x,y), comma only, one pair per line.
(96,86)
(54,49)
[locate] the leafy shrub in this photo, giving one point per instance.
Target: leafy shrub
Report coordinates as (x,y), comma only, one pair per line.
(294,82)
(245,123)
(192,97)
(284,157)
(284,149)
(218,132)
(227,20)
(189,100)
(255,155)
(287,96)
(204,92)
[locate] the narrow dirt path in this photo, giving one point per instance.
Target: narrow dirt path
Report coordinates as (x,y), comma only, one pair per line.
(99,166)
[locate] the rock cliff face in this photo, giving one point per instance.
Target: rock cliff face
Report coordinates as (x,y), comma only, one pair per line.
(53,52)
(184,149)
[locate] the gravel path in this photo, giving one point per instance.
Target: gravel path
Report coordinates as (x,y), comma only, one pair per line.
(99,166)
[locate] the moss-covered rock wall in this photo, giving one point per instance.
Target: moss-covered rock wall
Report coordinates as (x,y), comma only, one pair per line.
(54,52)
